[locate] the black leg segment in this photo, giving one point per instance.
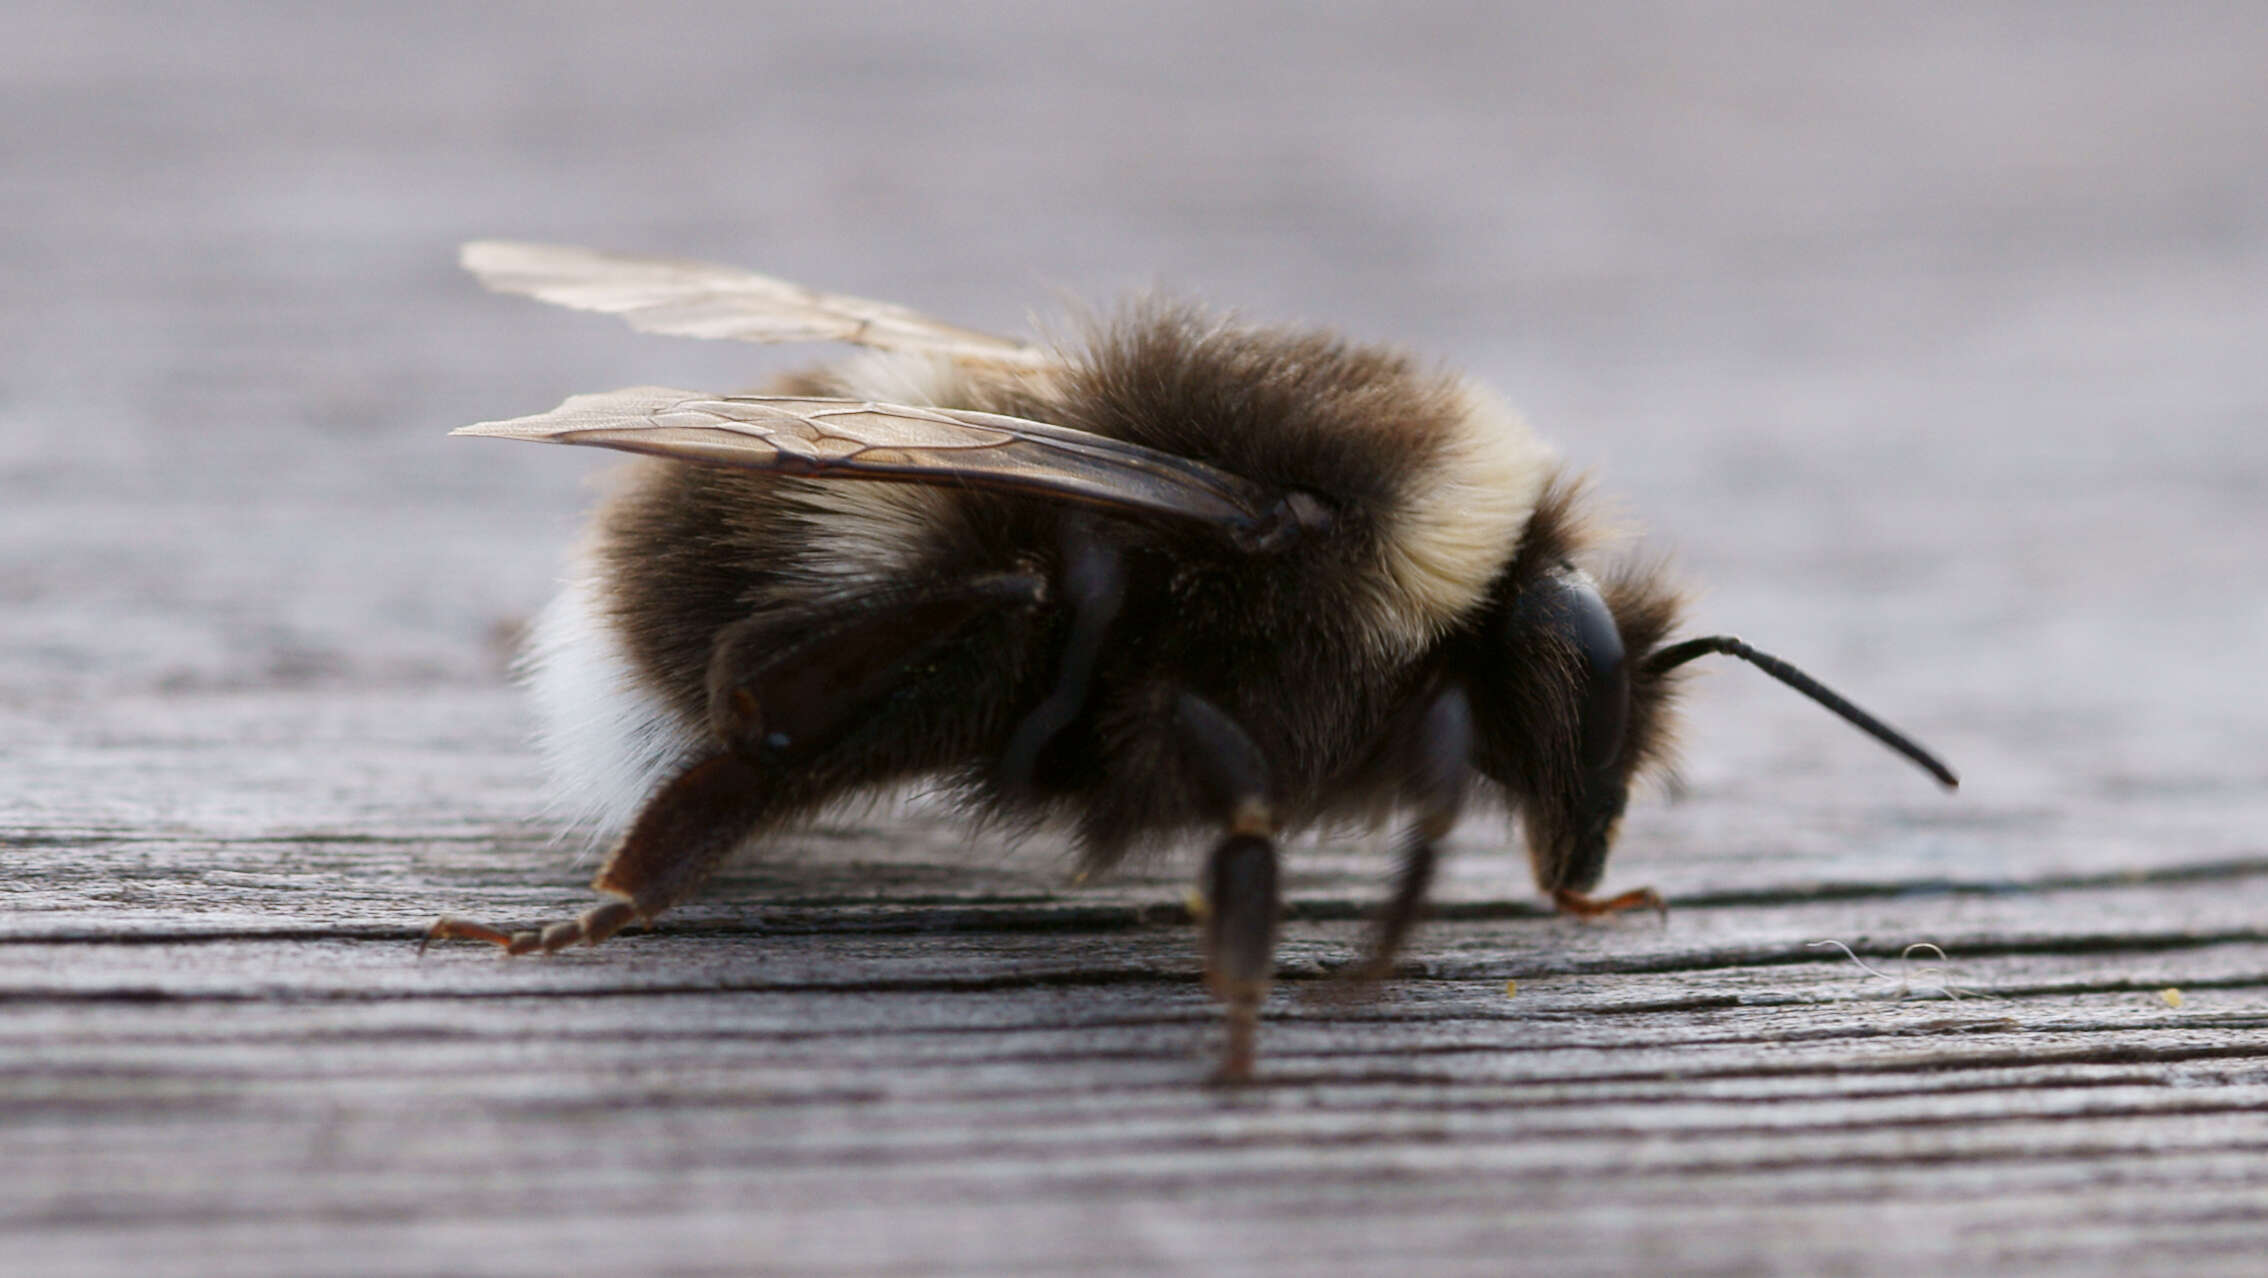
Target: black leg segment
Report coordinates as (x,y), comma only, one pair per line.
(1093,587)
(1244,901)
(1245,905)
(1225,763)
(1440,761)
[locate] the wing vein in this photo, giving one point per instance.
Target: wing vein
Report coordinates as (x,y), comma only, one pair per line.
(700,299)
(859,439)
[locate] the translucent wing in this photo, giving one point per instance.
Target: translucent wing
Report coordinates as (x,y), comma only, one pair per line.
(939,447)
(697,299)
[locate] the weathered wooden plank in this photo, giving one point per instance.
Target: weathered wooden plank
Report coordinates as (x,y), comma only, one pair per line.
(801,1167)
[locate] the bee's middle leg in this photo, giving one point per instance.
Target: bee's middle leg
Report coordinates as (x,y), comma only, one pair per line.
(1244,901)
(1091,588)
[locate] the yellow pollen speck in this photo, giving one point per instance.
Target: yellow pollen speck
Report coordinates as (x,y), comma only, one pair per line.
(2170,996)
(1511,989)
(1199,908)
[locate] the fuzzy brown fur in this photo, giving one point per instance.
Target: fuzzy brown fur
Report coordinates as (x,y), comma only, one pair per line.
(1285,644)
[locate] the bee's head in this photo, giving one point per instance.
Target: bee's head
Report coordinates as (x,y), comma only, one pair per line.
(1577,696)
(1578,713)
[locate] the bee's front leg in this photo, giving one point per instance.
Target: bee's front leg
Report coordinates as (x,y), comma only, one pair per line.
(784,688)
(1244,902)
(1439,760)
(1583,906)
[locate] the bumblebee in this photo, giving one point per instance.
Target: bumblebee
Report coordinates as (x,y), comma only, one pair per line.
(1183,579)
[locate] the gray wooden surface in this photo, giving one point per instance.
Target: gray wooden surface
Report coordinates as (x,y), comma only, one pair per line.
(1933,339)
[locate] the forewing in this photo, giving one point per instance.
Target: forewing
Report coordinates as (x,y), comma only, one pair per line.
(697,299)
(856,439)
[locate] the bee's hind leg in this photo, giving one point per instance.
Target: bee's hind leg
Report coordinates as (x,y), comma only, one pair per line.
(592,926)
(784,687)
(1244,902)
(688,825)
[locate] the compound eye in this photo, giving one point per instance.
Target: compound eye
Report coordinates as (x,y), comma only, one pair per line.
(1566,603)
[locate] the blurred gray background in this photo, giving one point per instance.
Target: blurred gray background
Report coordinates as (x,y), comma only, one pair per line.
(1929,339)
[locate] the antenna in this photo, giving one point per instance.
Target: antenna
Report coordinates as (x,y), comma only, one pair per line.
(1677,654)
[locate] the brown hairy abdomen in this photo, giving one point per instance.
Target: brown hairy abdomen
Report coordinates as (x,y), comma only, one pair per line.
(685,550)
